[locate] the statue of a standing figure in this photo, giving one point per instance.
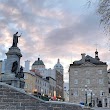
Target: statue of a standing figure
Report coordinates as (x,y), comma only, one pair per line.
(14,67)
(15,39)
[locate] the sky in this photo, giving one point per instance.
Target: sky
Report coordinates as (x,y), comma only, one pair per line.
(53,29)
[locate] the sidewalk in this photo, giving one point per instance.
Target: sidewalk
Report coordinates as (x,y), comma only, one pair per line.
(100,108)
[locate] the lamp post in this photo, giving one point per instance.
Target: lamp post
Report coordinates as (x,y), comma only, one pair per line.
(86,94)
(91,97)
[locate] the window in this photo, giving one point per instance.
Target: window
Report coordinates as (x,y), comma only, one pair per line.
(100,71)
(87,72)
(101,93)
(75,72)
(45,91)
(100,81)
(75,93)
(109,91)
(87,81)
(76,81)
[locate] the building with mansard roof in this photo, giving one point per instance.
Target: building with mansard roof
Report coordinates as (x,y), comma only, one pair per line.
(88,80)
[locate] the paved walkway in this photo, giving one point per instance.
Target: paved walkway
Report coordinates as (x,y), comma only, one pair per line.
(101,108)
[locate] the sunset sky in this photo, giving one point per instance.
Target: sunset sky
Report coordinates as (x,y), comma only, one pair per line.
(53,29)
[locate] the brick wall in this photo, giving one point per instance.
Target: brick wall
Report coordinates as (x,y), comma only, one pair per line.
(12,98)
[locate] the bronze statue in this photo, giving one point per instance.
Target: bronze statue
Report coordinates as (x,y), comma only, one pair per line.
(14,67)
(15,39)
(21,73)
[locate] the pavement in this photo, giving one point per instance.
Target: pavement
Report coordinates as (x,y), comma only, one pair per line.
(100,108)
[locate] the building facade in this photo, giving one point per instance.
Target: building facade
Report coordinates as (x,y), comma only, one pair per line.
(30,81)
(54,76)
(59,80)
(88,81)
(52,87)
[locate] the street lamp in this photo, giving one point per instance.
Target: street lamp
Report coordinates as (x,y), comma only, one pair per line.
(91,97)
(86,94)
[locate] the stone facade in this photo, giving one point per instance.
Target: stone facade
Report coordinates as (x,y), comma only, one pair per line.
(1,66)
(12,98)
(30,82)
(88,76)
(52,87)
(56,77)
(59,85)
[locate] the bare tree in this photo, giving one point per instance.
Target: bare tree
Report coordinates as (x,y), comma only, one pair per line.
(104,11)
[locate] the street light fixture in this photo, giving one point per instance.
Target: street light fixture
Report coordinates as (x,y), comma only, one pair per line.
(91,97)
(86,94)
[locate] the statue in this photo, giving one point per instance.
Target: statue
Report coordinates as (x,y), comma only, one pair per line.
(20,74)
(14,67)
(15,39)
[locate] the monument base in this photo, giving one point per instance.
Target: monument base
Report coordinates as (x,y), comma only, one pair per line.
(12,80)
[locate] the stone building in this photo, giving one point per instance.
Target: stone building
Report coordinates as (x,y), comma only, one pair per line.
(59,80)
(30,81)
(109,81)
(42,84)
(56,73)
(88,81)
(0,66)
(52,86)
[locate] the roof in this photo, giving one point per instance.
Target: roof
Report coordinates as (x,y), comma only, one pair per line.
(38,62)
(58,65)
(88,59)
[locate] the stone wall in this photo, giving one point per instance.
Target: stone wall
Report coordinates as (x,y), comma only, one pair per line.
(12,98)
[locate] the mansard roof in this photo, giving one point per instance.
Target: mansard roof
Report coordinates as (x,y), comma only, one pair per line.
(88,59)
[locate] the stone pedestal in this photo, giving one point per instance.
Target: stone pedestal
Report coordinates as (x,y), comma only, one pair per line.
(13,55)
(8,77)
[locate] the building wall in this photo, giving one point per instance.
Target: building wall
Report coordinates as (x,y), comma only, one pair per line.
(52,86)
(0,66)
(42,85)
(30,80)
(90,75)
(0,69)
(109,83)
(59,84)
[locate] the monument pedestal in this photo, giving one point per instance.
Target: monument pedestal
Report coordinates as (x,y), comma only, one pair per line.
(12,80)
(13,55)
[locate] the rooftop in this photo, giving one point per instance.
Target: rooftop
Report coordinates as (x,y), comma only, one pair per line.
(38,62)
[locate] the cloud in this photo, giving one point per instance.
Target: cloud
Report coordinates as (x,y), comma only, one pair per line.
(51,29)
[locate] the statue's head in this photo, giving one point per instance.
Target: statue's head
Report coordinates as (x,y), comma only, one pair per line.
(16,32)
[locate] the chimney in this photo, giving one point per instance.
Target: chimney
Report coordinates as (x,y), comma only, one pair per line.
(83,57)
(27,66)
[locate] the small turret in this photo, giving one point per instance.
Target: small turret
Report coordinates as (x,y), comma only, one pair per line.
(58,66)
(96,55)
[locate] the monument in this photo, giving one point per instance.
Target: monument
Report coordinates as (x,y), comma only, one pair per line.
(13,72)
